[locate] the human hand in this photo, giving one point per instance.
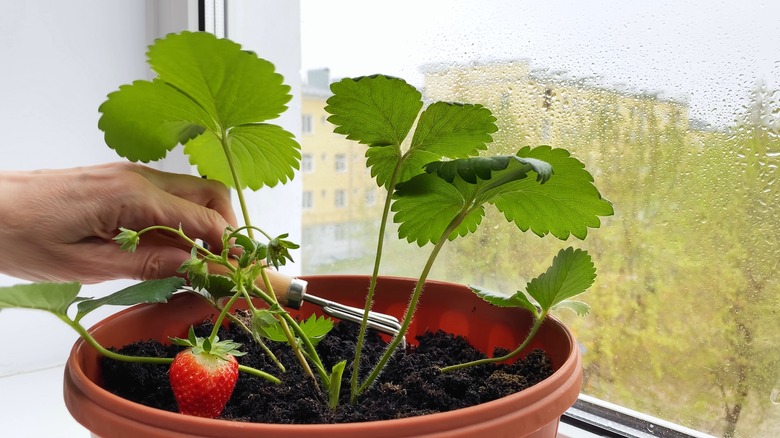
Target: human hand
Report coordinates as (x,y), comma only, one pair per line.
(58,225)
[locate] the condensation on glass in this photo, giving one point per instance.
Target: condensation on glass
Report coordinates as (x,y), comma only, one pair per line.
(675,110)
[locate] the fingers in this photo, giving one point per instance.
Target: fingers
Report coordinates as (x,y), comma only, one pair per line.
(162,208)
(146,263)
(208,193)
(135,197)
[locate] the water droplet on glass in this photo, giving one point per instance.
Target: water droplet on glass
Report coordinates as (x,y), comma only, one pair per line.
(774,397)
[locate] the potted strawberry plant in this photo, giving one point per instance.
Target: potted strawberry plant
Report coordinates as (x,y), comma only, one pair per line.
(216,100)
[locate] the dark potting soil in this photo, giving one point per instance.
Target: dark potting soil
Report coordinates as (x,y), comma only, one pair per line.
(410,385)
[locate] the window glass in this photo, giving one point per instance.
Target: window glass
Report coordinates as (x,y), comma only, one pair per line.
(339,198)
(307,163)
(306,124)
(674,107)
(340,163)
(308,200)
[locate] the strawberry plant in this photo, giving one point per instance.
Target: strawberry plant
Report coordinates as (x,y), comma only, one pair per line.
(216,100)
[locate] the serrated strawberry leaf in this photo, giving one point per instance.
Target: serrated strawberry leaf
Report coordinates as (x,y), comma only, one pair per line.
(51,297)
(572,272)
(426,205)
(455,191)
(578,307)
(474,169)
(314,327)
(500,299)
(233,85)
(450,130)
(381,162)
(145,120)
(377,111)
(212,97)
(263,155)
(150,291)
(220,286)
(374,110)
(567,204)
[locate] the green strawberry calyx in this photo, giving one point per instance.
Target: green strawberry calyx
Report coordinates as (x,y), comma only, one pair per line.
(210,346)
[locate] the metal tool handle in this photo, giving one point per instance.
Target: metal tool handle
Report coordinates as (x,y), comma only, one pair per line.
(291,292)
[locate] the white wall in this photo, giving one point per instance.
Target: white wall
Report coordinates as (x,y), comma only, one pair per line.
(58,61)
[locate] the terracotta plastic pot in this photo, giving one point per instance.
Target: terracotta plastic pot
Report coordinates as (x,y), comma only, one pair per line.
(534,412)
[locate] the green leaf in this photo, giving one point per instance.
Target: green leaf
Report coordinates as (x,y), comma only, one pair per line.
(474,169)
(145,120)
(150,291)
(213,97)
(377,111)
(196,270)
(335,383)
(315,329)
(242,240)
(571,273)
(451,130)
(263,155)
(374,110)
(426,205)
(233,85)
(578,307)
(265,324)
(381,162)
(500,299)
(51,297)
(220,286)
(567,204)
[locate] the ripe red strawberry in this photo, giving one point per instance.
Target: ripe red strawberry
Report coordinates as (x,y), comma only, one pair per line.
(204,375)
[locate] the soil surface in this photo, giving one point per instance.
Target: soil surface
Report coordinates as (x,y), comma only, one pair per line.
(410,385)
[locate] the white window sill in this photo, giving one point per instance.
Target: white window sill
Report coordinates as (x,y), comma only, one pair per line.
(31,406)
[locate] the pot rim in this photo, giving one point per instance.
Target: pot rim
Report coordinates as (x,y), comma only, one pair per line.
(565,376)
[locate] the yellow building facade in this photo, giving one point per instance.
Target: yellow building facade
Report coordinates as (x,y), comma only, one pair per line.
(602,126)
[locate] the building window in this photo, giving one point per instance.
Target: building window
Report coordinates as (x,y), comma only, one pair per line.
(340,163)
(340,198)
(371,196)
(307,127)
(308,200)
(307,163)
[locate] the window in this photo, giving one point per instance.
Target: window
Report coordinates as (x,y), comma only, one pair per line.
(674,107)
(307,163)
(307,127)
(370,196)
(308,200)
(340,163)
(340,198)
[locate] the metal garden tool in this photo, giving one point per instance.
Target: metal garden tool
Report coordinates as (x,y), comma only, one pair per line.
(291,292)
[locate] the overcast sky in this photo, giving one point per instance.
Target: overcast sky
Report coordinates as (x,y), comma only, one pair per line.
(710,53)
